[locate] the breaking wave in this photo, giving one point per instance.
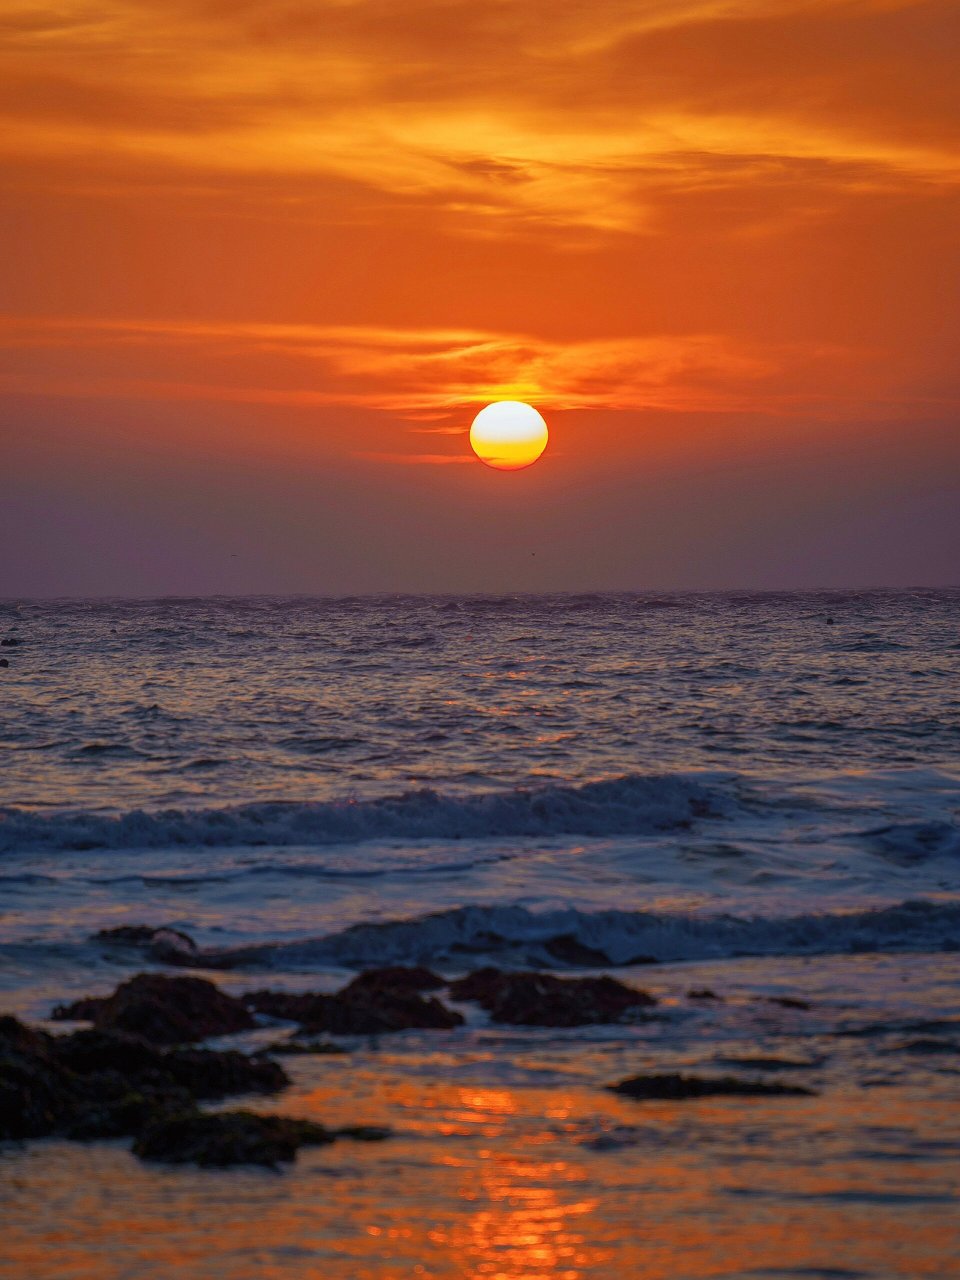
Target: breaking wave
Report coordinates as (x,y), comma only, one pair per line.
(516,935)
(631,805)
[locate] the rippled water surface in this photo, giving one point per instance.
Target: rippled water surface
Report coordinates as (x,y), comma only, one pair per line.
(759,792)
(117,705)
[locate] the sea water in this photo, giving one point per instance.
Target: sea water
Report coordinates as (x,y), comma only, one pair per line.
(760,792)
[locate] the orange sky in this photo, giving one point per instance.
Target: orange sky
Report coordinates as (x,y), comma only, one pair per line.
(263,262)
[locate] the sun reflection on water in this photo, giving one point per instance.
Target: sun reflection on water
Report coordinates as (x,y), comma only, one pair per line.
(524,1212)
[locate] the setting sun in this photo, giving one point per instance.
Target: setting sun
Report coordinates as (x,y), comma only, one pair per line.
(508,435)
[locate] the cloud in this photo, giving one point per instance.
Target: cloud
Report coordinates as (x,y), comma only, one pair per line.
(519,116)
(434,376)
(707,206)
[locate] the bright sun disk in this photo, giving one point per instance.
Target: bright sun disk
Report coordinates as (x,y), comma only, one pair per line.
(508,435)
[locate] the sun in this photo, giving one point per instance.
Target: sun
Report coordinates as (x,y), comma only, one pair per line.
(508,435)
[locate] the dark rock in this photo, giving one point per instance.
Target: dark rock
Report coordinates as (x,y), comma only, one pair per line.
(364,1132)
(293,1045)
(164,1010)
(210,1073)
(395,978)
(158,941)
(128,935)
(674,1087)
(87,1052)
(16,1037)
(174,947)
(226,1138)
(376,1012)
(40,1094)
(291,1006)
(362,1008)
(206,1073)
(787,1002)
(703,993)
(107,1084)
(568,949)
(4,662)
(170,946)
(127,1113)
(480,986)
(543,1000)
(37,1094)
(9,642)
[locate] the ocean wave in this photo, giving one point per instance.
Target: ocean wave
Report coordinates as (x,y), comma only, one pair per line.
(516,935)
(910,842)
(297,870)
(631,805)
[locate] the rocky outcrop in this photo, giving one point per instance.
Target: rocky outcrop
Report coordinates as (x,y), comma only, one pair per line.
(226,1138)
(173,947)
(37,1094)
(375,1002)
(396,977)
(164,1010)
(673,1087)
(239,1137)
(108,1084)
(180,1010)
(544,1000)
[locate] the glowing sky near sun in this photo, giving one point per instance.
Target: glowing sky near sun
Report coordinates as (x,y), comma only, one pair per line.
(257,252)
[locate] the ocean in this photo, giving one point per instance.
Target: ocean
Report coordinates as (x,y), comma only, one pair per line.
(755,794)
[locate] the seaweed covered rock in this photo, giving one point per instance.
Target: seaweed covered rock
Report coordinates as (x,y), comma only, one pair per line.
(116,1110)
(220,1073)
(223,1138)
(674,1087)
(92,1051)
(206,1073)
(291,1006)
(107,1084)
(367,1012)
(44,1091)
(162,1009)
(37,1094)
(226,1138)
(532,999)
(370,1005)
(395,977)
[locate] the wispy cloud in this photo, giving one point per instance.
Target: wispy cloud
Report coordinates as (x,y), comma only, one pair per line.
(433,380)
(704,206)
(594,113)
(417,374)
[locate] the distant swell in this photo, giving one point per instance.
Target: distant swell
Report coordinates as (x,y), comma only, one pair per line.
(632,805)
(516,935)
